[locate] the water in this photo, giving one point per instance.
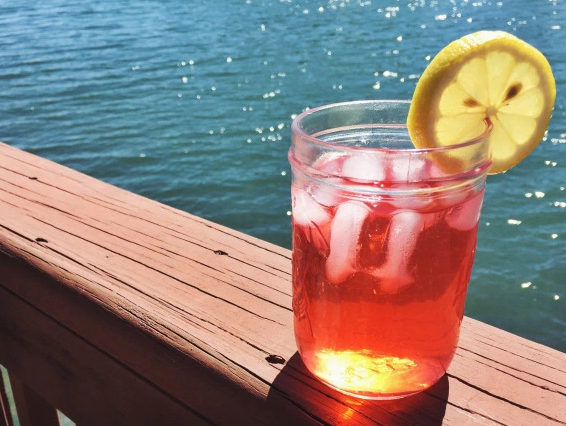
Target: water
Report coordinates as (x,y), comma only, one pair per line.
(190,103)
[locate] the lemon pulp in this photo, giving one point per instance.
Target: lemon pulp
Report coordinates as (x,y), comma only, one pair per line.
(486,75)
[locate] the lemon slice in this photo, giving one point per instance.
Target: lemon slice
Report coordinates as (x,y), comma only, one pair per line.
(488,74)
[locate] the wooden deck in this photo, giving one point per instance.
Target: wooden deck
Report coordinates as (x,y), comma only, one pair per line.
(116,309)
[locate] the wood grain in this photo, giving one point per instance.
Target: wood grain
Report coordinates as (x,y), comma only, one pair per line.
(89,386)
(169,304)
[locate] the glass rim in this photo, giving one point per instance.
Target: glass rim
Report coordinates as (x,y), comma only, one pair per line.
(295,129)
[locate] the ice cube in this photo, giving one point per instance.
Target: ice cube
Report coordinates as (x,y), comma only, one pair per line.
(313,217)
(330,163)
(412,202)
(307,211)
(435,171)
(326,194)
(402,236)
(364,167)
(330,166)
(345,231)
(407,168)
(454,197)
(464,217)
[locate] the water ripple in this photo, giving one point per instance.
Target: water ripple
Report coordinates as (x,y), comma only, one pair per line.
(190,104)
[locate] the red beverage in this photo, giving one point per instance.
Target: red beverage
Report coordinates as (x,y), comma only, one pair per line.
(389,322)
(383,246)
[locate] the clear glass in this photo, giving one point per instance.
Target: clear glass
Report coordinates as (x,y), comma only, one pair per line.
(384,238)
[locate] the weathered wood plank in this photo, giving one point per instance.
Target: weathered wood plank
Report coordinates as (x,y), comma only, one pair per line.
(91,387)
(524,374)
(32,409)
(195,310)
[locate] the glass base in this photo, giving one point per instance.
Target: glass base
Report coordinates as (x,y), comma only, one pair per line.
(374,377)
(378,397)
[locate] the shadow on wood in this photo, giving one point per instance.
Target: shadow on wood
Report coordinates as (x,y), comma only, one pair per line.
(297,384)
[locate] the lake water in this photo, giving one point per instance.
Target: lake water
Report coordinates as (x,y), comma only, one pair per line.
(190,103)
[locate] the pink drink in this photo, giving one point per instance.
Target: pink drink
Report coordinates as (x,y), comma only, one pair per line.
(383,248)
(382,316)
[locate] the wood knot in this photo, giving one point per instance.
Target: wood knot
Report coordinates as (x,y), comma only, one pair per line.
(41,240)
(220,252)
(275,359)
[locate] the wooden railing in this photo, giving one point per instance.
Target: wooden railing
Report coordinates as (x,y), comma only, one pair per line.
(116,309)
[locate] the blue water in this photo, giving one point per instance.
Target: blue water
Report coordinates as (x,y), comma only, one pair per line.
(190,102)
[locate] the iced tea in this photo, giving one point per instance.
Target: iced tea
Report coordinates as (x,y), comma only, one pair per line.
(383,248)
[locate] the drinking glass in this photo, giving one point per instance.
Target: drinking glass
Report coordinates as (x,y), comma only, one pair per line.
(384,237)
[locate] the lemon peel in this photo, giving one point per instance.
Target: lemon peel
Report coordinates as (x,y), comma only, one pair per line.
(487,76)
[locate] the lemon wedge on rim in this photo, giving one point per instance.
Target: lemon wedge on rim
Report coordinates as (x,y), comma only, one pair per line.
(485,75)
